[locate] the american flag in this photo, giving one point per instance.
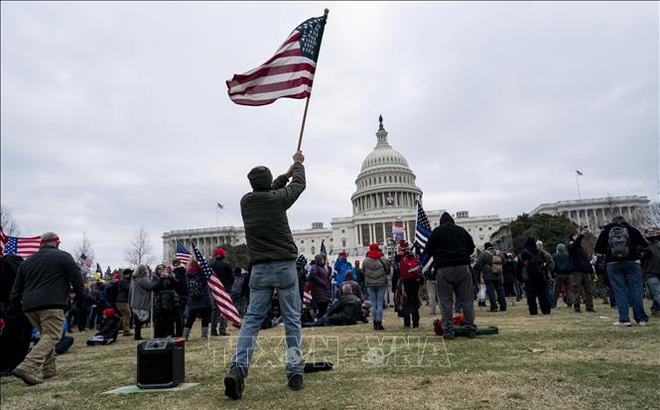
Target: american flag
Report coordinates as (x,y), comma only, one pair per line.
(22,247)
(220,295)
(182,253)
(422,230)
(289,73)
(577,171)
(85,260)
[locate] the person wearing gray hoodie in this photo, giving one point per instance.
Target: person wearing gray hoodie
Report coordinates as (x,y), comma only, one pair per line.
(562,275)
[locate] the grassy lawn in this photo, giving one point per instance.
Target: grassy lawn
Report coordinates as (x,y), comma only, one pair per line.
(566,360)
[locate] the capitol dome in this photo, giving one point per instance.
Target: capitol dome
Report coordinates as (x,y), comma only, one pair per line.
(386,182)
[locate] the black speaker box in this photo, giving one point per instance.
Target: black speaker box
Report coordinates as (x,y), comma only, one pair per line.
(161,363)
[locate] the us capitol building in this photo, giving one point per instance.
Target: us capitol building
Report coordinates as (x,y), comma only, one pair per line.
(385,201)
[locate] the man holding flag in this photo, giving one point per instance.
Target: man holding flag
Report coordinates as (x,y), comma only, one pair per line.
(273,254)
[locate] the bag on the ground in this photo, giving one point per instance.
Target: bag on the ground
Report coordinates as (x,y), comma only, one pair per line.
(618,242)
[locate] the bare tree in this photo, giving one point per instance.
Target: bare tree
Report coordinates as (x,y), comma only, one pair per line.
(139,251)
(85,246)
(647,217)
(9,226)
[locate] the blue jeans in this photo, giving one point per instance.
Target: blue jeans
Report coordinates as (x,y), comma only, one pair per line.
(265,278)
(493,286)
(628,286)
(653,283)
(377,297)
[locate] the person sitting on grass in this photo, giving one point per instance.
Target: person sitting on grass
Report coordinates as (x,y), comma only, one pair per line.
(109,329)
(346,310)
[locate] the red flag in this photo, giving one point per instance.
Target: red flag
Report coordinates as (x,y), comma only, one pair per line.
(289,73)
(222,299)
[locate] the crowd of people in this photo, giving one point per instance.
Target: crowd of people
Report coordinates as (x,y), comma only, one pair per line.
(280,287)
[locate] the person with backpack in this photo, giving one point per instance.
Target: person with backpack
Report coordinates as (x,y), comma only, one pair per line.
(622,246)
(376,271)
(199,299)
(581,271)
(651,267)
(532,271)
(166,302)
(409,273)
(488,268)
(549,269)
(562,275)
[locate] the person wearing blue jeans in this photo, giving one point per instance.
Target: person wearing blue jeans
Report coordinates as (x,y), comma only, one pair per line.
(377,297)
(273,255)
(651,267)
(376,268)
(622,246)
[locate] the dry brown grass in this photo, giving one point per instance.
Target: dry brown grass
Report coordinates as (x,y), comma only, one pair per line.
(567,360)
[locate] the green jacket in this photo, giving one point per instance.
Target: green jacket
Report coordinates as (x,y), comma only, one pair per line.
(267,231)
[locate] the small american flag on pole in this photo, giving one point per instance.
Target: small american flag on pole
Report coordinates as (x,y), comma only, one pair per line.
(577,171)
(220,295)
(422,230)
(182,254)
(23,247)
(85,260)
(289,73)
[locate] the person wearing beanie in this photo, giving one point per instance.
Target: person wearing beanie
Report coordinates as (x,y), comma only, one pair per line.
(341,266)
(485,269)
(225,273)
(109,330)
(41,291)
(273,254)
(622,245)
(451,246)
(562,275)
(376,269)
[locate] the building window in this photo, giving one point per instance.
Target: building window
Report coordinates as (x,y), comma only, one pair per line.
(481,229)
(343,231)
(312,240)
(343,242)
(490,228)
(302,241)
(313,250)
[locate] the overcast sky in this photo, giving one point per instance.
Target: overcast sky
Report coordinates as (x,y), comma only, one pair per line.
(115,115)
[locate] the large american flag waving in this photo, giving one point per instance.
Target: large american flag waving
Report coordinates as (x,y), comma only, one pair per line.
(23,247)
(289,73)
(218,291)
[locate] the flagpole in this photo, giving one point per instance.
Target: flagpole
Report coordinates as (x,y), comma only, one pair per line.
(302,128)
(577,181)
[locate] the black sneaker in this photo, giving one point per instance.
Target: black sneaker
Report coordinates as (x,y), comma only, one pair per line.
(471,333)
(296,382)
(234,384)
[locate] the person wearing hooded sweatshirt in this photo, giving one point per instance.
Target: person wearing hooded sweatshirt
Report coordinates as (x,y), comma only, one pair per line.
(581,271)
(562,275)
(651,267)
(623,271)
(320,279)
(376,269)
(532,270)
(273,254)
(451,247)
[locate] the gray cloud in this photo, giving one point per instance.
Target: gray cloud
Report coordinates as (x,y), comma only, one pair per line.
(114,115)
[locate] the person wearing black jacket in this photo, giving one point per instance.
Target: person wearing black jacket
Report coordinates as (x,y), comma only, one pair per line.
(124,287)
(581,271)
(451,247)
(623,271)
(41,289)
(225,273)
(347,310)
(179,272)
(17,332)
(166,302)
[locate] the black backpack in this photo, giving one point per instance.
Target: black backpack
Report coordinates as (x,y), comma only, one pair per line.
(618,242)
(535,266)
